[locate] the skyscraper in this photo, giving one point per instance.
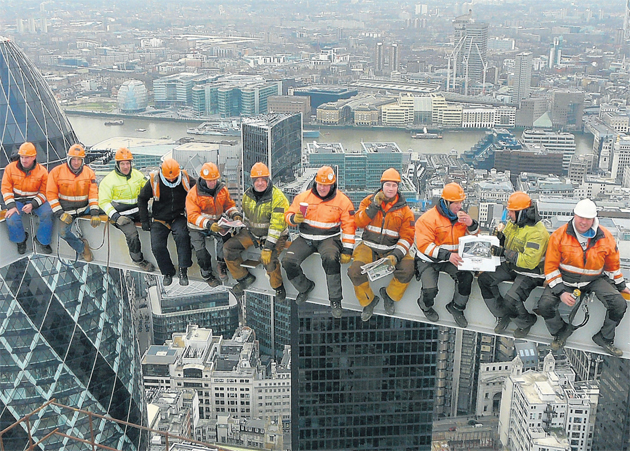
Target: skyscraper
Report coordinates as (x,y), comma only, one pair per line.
(66,333)
(271,320)
(379,59)
(361,385)
(469,54)
(274,139)
(612,426)
(522,77)
(29,110)
(394,58)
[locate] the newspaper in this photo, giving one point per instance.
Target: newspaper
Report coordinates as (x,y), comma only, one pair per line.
(476,254)
(378,269)
(227,225)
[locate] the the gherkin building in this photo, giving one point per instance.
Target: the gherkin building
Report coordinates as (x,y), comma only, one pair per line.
(29,110)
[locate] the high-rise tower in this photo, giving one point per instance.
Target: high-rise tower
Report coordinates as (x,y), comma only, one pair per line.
(379,59)
(29,110)
(468,60)
(522,77)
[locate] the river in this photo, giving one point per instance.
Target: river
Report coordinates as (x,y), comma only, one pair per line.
(91,130)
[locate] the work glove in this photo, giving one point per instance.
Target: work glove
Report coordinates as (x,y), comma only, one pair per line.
(345,258)
(510,255)
(237,218)
(497,251)
(146,226)
(265,256)
(498,231)
(65,218)
(298,218)
(214,227)
(95,221)
(123,221)
(379,198)
(392,259)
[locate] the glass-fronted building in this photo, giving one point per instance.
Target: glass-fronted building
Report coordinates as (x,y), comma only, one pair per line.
(361,385)
(271,320)
(66,333)
(133,97)
(29,110)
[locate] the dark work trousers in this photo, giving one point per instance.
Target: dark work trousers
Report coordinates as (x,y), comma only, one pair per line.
(159,238)
(198,239)
(329,249)
(513,304)
(429,273)
(604,290)
(132,237)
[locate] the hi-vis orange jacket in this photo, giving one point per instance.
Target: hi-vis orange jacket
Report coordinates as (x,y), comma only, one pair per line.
(388,229)
(437,236)
(325,218)
(203,208)
(70,192)
(568,266)
(24,186)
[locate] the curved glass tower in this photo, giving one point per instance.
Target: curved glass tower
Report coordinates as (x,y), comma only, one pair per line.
(66,333)
(29,110)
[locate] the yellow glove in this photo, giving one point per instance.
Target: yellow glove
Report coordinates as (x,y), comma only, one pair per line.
(265,256)
(215,227)
(298,218)
(379,198)
(65,218)
(345,258)
(392,259)
(95,221)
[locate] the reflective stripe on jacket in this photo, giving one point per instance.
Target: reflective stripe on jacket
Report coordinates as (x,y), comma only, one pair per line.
(203,208)
(568,265)
(70,192)
(265,217)
(437,236)
(531,244)
(386,231)
(119,194)
(24,186)
(154,180)
(325,218)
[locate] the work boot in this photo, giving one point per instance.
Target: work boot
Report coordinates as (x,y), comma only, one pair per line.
(22,246)
(336,309)
(167,280)
(608,345)
(390,304)
(87,253)
(521,332)
(368,310)
(458,315)
(212,281)
(222,270)
(303,297)
(44,248)
(183,276)
(281,294)
(429,312)
(502,324)
(561,339)
(243,283)
(145,265)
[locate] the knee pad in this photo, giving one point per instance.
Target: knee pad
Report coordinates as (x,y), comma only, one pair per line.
(354,271)
(429,293)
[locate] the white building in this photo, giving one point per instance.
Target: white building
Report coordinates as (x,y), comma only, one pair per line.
(621,156)
(563,142)
(548,410)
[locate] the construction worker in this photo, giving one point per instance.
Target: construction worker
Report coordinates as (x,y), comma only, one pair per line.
(118,198)
(523,244)
(264,206)
(437,239)
(582,255)
(168,188)
(24,191)
(326,227)
(72,191)
(205,204)
(388,232)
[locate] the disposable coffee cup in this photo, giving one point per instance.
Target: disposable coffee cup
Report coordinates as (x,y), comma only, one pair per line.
(303,208)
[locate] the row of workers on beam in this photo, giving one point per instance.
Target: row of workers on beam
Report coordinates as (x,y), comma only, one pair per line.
(581,254)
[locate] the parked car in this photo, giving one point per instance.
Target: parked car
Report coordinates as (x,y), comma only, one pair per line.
(452,428)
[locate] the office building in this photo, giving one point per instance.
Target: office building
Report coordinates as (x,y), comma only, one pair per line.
(271,320)
(379,59)
(177,89)
(530,110)
(361,385)
(612,427)
(29,110)
(274,139)
(567,108)
(394,58)
(324,94)
(522,77)
(468,60)
(132,97)
(290,105)
(553,142)
(621,157)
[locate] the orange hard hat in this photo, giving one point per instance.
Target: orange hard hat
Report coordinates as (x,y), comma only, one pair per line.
(519,201)
(123,154)
(210,171)
(325,176)
(390,175)
(170,168)
(76,151)
(27,150)
(453,193)
(260,170)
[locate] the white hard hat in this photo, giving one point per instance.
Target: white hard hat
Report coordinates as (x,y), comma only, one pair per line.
(586,208)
